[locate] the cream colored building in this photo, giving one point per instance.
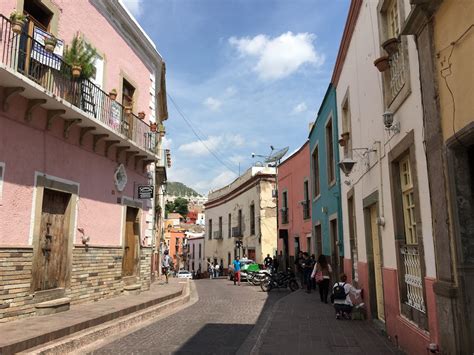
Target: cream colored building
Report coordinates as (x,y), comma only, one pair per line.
(242,211)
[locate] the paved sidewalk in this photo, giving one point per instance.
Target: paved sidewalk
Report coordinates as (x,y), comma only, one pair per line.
(29,332)
(301,324)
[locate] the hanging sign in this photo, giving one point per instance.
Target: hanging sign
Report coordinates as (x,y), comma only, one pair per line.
(41,55)
(145,192)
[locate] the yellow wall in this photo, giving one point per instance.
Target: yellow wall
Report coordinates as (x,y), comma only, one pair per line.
(452,19)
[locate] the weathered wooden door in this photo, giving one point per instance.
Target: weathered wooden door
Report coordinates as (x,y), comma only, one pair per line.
(374,228)
(132,234)
(51,253)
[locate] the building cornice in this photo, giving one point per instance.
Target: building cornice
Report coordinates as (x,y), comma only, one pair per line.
(351,21)
(247,185)
(131,32)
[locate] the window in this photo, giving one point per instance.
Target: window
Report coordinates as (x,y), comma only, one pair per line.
(392,20)
(209,231)
(252,219)
(228,259)
(194,247)
(200,251)
(297,246)
(229,226)
(220,227)
(316,186)
(128,91)
(308,245)
(346,126)
(240,222)
(284,207)
(408,202)
(306,202)
(319,239)
(330,153)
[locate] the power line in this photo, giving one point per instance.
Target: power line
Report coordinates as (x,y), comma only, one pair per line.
(198,136)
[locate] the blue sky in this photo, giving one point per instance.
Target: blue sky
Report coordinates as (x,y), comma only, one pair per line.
(246,73)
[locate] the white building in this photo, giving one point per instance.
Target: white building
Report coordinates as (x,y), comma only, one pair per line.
(196,261)
(245,212)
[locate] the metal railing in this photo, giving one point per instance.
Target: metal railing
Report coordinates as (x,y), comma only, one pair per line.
(236,232)
(23,54)
(413,277)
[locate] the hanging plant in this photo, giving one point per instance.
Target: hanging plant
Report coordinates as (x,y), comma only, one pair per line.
(113,94)
(18,20)
(382,63)
(80,56)
(141,115)
(391,45)
(50,43)
(153,127)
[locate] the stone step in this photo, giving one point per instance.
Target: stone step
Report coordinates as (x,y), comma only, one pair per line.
(53,306)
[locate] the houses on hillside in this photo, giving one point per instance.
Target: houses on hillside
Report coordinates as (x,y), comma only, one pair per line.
(81,164)
(389,166)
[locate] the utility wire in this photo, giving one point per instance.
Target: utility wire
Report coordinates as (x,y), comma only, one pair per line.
(198,135)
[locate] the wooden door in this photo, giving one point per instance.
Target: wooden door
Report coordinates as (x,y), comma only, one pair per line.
(334,248)
(131,242)
(51,253)
(374,228)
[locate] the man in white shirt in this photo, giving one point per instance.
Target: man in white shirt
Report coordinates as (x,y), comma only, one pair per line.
(341,293)
(165,264)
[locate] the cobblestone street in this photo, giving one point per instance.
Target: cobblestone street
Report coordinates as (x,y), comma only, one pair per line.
(228,319)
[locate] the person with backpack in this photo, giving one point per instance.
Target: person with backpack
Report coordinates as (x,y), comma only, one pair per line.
(166,264)
(341,297)
(322,274)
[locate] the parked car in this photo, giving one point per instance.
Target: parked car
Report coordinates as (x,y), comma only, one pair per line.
(184,274)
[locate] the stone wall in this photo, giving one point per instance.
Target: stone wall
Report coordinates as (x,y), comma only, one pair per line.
(16,300)
(96,274)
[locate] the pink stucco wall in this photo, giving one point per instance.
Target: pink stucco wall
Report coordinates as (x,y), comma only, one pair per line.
(27,147)
(82,16)
(291,176)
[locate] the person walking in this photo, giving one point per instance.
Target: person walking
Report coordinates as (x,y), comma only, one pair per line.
(165,264)
(236,266)
(307,266)
(216,270)
(313,281)
(210,271)
(322,273)
(341,293)
(268,262)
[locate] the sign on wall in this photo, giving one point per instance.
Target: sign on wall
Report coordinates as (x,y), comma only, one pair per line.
(145,192)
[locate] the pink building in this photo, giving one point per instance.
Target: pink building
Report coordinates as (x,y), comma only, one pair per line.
(74,224)
(294,217)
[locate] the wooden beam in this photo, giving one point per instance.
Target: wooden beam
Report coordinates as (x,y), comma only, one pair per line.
(31,105)
(84,131)
(97,138)
(119,150)
(130,154)
(8,94)
(68,125)
(51,115)
(108,144)
(138,159)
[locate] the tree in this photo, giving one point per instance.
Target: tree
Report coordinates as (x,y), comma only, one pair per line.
(180,205)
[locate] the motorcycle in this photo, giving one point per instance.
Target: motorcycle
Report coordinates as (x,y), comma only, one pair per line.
(257,277)
(280,280)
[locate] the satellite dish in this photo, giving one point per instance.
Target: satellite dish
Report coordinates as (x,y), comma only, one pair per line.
(276,156)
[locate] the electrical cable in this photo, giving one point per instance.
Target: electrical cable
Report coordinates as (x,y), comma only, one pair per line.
(198,136)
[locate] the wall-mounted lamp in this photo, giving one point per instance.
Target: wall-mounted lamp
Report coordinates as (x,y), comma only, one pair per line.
(346,165)
(388,118)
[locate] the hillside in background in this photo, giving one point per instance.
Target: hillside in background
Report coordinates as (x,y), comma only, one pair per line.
(180,189)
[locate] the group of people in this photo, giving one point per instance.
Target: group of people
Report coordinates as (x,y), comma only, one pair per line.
(215,270)
(318,272)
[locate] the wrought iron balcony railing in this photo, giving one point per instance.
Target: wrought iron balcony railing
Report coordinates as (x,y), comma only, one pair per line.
(236,232)
(21,53)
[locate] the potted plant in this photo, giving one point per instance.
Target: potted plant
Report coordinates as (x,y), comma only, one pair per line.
(382,63)
(128,110)
(141,115)
(153,127)
(18,20)
(391,45)
(113,94)
(345,136)
(80,56)
(50,43)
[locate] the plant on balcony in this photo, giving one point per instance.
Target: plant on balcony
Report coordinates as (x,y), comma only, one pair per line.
(141,115)
(391,45)
(80,56)
(382,63)
(128,110)
(50,43)
(18,20)
(153,127)
(113,94)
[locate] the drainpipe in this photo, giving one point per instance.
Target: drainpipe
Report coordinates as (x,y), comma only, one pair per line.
(381,219)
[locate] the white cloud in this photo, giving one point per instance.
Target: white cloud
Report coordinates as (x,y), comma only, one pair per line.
(213,104)
(222,179)
(134,6)
(166,142)
(301,107)
(281,56)
(198,148)
(236,159)
(230,91)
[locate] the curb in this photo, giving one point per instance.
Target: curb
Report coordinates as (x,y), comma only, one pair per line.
(86,338)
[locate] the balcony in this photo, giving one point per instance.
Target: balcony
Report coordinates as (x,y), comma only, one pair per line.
(46,81)
(217,235)
(237,232)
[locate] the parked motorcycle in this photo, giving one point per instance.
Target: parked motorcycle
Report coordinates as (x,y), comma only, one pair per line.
(280,280)
(257,277)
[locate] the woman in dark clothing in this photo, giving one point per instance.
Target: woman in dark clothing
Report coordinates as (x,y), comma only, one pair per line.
(322,273)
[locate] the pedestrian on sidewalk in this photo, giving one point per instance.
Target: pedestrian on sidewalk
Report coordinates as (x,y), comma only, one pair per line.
(268,262)
(216,270)
(322,273)
(341,296)
(236,266)
(307,266)
(210,271)
(165,265)
(313,280)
